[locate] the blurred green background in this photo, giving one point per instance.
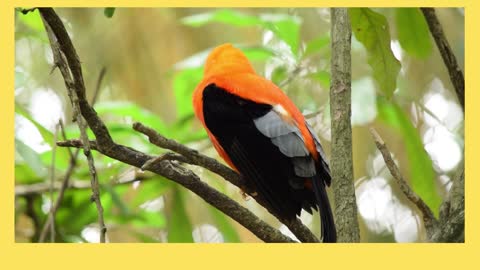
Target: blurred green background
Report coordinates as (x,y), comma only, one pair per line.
(153,60)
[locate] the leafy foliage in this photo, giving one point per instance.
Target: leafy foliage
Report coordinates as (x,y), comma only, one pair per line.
(285,27)
(149,208)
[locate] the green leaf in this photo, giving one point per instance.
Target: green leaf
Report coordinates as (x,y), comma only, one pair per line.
(179,226)
(224,225)
(108,12)
(133,111)
(25,175)
(145,238)
(422,175)
(77,211)
(46,134)
(371,29)
(151,189)
(227,16)
(413,33)
(256,53)
(279,74)
(284,26)
(322,76)
(184,84)
(149,219)
(117,199)
(316,45)
(31,158)
(33,20)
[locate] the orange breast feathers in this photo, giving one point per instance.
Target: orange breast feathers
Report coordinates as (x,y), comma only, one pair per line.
(228,68)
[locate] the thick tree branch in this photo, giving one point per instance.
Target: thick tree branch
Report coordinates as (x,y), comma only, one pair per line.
(429,219)
(452,214)
(456,75)
(191,181)
(193,157)
(340,112)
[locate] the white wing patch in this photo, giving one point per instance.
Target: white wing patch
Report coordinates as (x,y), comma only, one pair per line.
(279,127)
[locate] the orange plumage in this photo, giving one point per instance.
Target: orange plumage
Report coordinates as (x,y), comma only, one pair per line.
(260,132)
(228,68)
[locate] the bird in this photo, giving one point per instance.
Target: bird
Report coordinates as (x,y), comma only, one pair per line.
(261,134)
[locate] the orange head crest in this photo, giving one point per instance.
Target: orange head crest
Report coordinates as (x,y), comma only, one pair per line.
(226,59)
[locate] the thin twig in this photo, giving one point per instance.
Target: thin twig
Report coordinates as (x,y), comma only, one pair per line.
(54,27)
(30,190)
(49,223)
(52,179)
(25,190)
(103,71)
(64,135)
(456,74)
(429,219)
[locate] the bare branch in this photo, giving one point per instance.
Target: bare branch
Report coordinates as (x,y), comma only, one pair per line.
(456,74)
(192,156)
(49,224)
(195,158)
(73,79)
(40,188)
(452,217)
(429,219)
(66,179)
(340,111)
(452,230)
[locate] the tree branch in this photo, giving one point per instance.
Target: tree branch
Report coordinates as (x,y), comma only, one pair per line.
(133,157)
(71,165)
(191,181)
(72,75)
(340,111)
(53,210)
(193,157)
(456,75)
(452,216)
(429,219)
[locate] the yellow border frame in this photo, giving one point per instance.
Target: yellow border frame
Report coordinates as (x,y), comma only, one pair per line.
(244,256)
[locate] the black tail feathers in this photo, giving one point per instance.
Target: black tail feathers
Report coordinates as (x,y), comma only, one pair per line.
(329,232)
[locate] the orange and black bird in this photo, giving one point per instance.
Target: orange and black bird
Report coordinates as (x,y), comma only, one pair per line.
(262,135)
